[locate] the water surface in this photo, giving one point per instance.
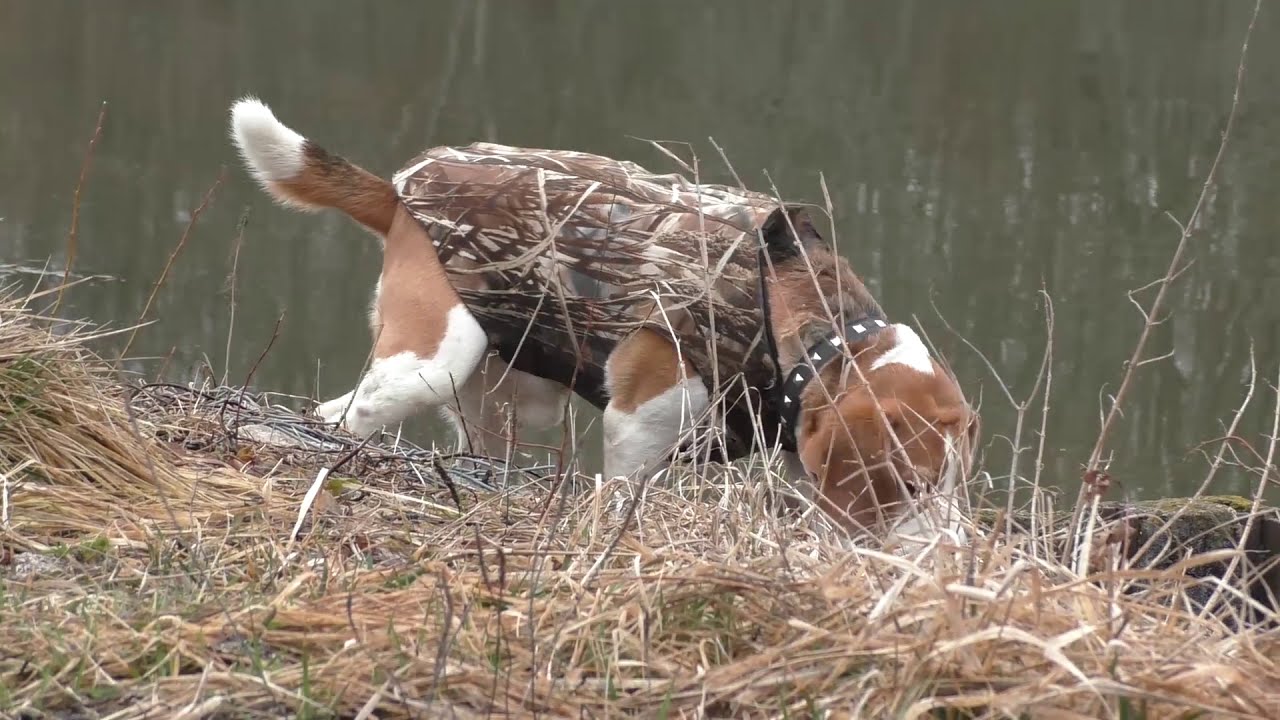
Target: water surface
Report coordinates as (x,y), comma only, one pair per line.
(976,156)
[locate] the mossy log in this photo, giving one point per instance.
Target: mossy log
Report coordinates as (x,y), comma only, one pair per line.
(1170,530)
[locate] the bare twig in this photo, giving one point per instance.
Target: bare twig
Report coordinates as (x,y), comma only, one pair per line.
(1094,464)
(177,249)
(1255,506)
(73,235)
(232,278)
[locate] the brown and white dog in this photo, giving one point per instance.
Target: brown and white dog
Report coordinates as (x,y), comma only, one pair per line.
(512,277)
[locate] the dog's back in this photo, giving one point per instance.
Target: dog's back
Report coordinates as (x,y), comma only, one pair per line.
(560,255)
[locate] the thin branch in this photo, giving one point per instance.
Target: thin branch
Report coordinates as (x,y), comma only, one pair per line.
(73,235)
(1094,464)
(164,274)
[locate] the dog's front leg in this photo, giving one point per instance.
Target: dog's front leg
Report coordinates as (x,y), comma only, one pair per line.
(654,399)
(333,410)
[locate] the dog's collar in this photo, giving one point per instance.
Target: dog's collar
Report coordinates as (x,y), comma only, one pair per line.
(816,358)
(788,388)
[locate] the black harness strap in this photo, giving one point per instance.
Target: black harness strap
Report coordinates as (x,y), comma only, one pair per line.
(770,344)
(787,388)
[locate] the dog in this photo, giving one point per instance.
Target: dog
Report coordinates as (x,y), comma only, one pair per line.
(513,277)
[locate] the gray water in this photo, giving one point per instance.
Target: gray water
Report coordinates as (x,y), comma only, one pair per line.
(976,154)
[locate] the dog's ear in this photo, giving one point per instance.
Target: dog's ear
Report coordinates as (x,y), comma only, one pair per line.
(779,240)
(974,432)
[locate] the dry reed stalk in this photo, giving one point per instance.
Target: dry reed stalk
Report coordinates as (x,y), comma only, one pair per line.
(150,574)
(73,234)
(232,279)
(1093,468)
(203,552)
(173,256)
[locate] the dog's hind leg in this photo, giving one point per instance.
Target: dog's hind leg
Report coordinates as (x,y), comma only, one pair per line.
(427,343)
(653,399)
(402,382)
(499,404)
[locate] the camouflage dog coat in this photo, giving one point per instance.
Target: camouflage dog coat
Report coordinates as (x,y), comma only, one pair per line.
(561,255)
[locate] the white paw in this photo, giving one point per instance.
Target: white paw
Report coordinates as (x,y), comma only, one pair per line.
(343,413)
(331,411)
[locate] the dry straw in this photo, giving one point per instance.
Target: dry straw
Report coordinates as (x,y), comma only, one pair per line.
(193,552)
(149,572)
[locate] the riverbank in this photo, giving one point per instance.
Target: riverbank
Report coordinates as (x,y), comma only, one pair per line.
(182,552)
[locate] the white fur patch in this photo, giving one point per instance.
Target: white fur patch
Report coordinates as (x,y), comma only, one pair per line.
(639,439)
(375,308)
(908,349)
(271,149)
(937,515)
(950,466)
(396,387)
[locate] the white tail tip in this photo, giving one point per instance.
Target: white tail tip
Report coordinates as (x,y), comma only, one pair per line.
(272,150)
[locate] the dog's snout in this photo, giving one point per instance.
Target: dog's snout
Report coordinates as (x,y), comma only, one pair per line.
(925,473)
(914,478)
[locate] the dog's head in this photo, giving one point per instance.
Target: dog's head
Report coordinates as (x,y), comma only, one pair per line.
(894,433)
(886,426)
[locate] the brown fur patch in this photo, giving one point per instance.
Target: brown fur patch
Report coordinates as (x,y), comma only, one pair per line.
(416,293)
(328,180)
(800,298)
(843,438)
(849,446)
(642,367)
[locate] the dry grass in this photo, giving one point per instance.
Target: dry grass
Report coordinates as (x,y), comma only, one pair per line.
(179,552)
(152,570)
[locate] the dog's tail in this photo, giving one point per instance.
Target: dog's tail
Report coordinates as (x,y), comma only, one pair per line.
(299,173)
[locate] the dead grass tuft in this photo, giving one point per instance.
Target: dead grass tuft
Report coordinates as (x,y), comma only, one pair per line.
(155,566)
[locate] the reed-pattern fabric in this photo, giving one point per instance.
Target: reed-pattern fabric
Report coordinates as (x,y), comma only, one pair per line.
(560,255)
